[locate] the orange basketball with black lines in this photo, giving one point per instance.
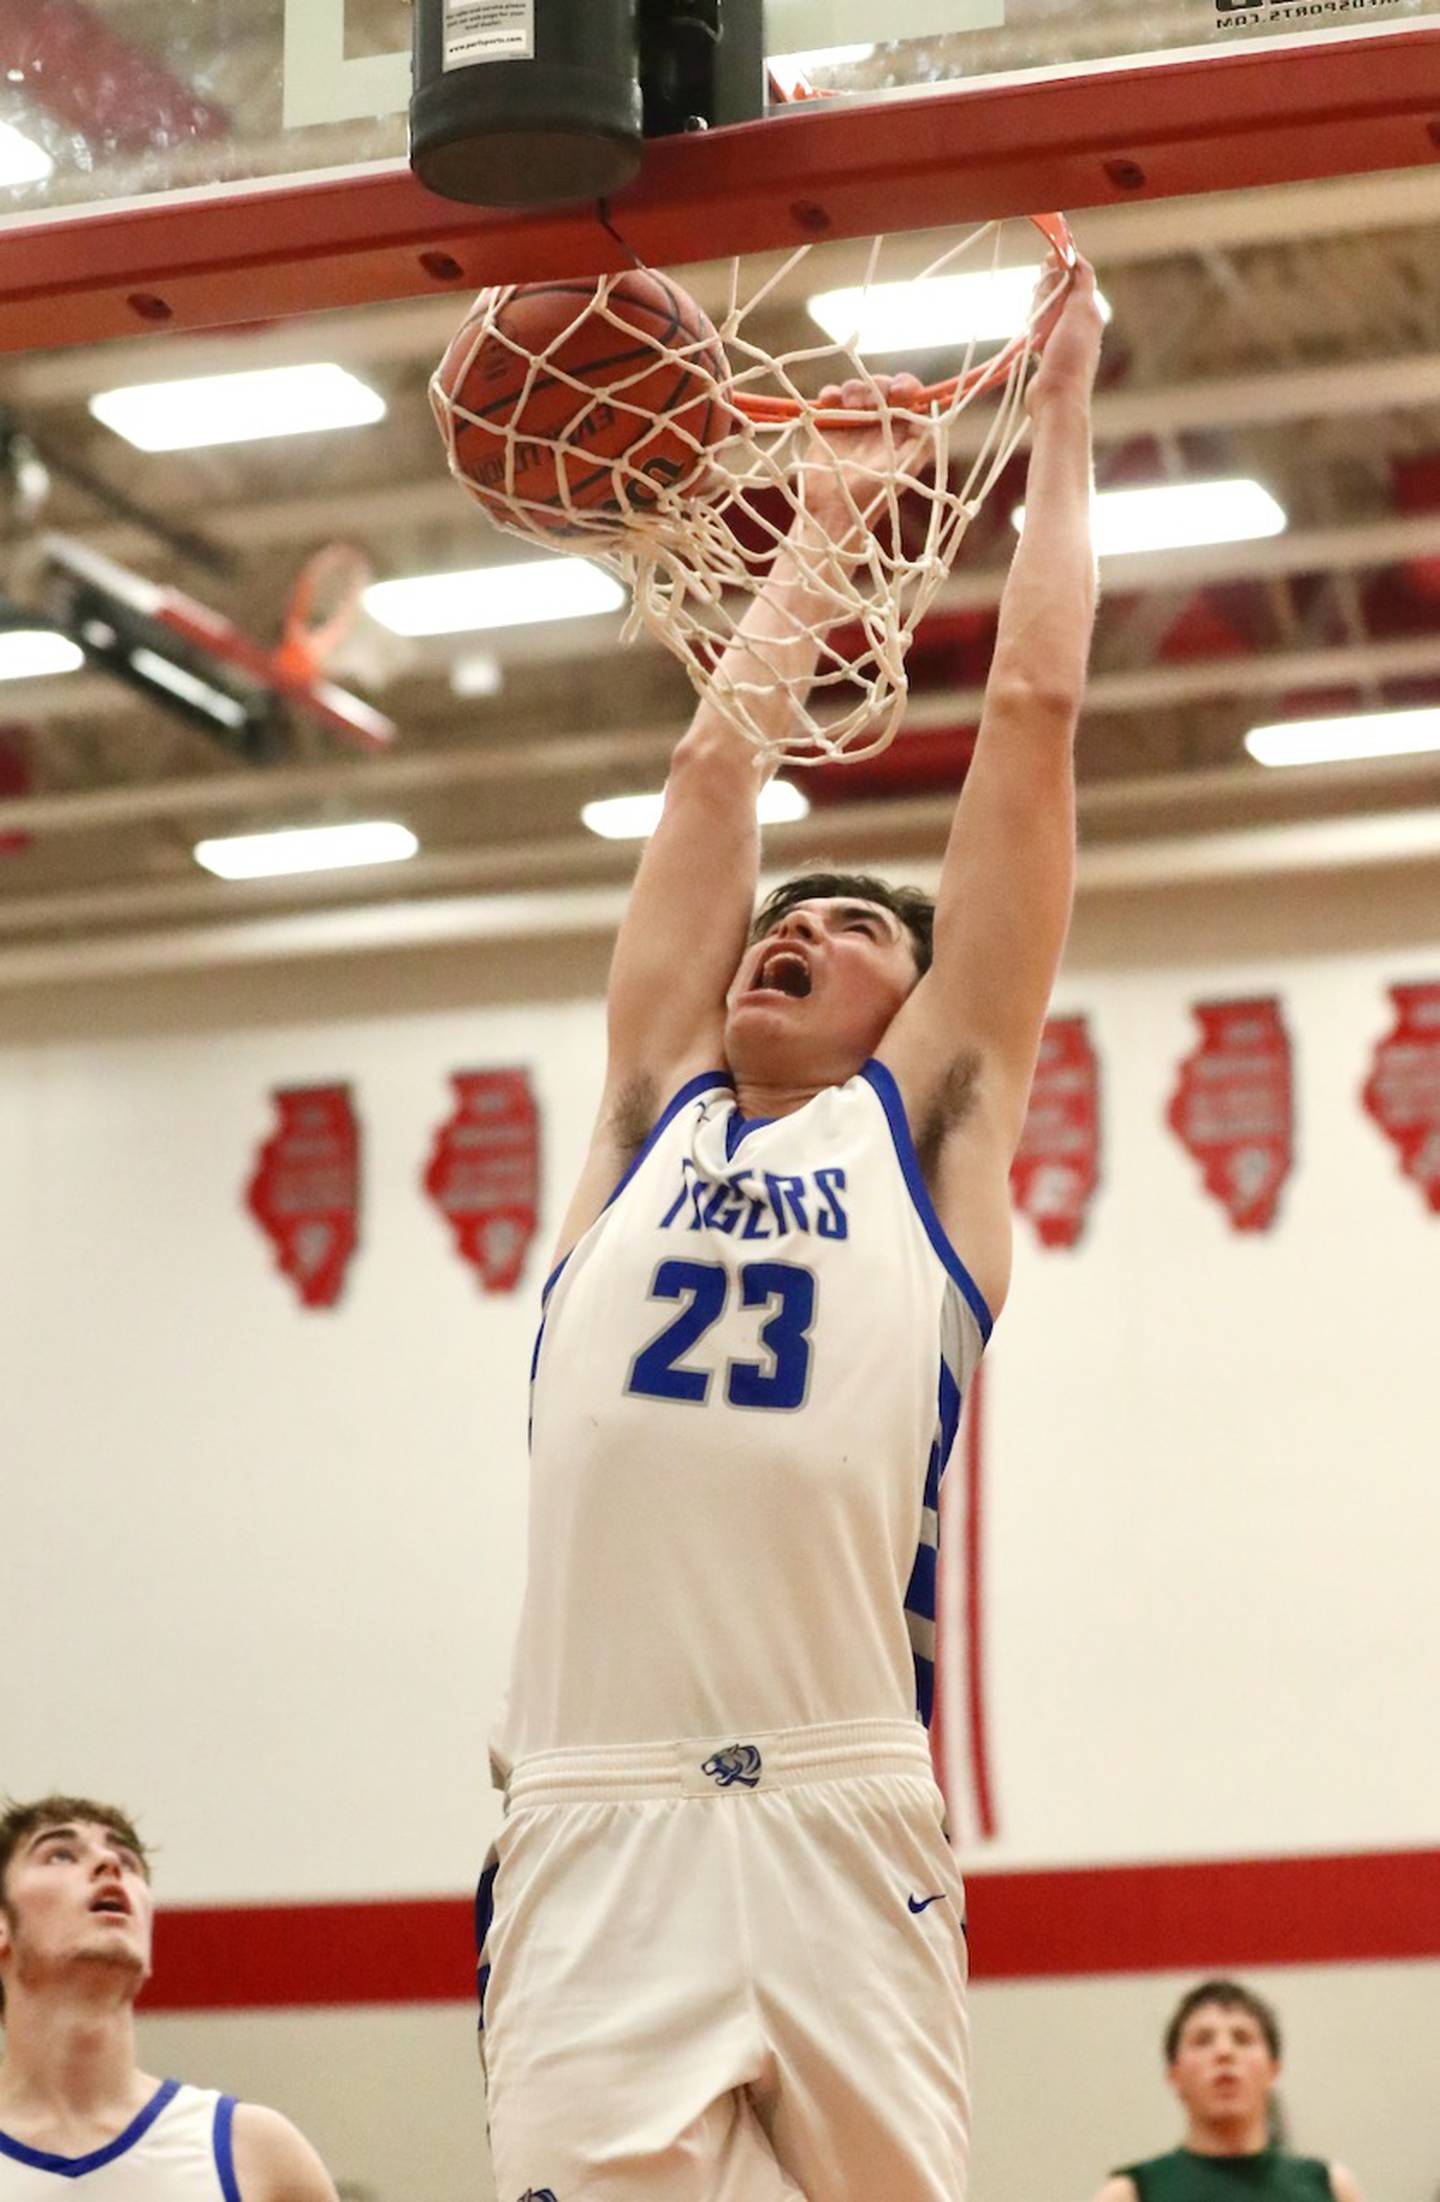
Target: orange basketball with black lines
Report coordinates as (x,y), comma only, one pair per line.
(580,401)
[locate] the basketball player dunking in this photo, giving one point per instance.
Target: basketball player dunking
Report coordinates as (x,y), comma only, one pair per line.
(79,2122)
(723,1948)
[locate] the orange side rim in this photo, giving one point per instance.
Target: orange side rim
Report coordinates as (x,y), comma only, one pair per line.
(773,412)
(322,608)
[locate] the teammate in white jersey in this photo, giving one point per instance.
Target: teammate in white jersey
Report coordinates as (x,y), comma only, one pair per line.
(722,1943)
(79,2122)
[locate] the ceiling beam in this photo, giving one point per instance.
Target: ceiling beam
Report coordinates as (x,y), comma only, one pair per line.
(1399,839)
(645,751)
(425,772)
(403,507)
(1366,544)
(196,896)
(1105,806)
(1157,687)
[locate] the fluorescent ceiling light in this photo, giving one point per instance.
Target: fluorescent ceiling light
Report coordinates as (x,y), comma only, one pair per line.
(28,653)
(493,596)
(635,817)
(1331,741)
(1179,516)
(244,408)
(22,161)
(478,673)
(306,849)
(938,312)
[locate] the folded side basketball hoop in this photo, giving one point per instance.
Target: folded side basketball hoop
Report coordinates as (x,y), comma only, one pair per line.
(123,619)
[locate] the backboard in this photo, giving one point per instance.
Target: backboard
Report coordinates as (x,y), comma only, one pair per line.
(176,164)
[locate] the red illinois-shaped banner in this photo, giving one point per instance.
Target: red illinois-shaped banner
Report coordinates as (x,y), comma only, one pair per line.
(484,1172)
(1234,1107)
(1057,1165)
(1402,1092)
(305,1194)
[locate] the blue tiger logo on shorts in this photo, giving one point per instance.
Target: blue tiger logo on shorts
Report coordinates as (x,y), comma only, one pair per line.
(740,1763)
(539,2194)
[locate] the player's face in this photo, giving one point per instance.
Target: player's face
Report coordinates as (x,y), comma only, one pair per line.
(76,1896)
(813,999)
(1223,2070)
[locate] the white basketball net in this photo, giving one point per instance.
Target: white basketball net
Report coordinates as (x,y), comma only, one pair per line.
(828,681)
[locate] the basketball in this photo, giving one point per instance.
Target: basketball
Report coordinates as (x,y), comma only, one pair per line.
(580,402)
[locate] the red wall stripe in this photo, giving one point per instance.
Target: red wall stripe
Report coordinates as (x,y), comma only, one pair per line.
(1226,1912)
(245,1957)
(1080,1923)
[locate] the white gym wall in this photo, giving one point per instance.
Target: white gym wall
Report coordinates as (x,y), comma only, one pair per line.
(259,1567)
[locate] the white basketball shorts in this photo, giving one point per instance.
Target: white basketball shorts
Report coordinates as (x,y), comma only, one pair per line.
(727,1970)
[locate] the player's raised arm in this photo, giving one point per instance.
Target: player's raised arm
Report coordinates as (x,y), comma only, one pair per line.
(1007,881)
(689,911)
(685,924)
(688,916)
(684,927)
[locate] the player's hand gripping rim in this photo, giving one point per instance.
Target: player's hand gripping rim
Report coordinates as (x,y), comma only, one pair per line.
(1071,357)
(847,474)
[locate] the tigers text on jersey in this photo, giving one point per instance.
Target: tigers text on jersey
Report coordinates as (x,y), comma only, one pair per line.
(177,2149)
(746,1384)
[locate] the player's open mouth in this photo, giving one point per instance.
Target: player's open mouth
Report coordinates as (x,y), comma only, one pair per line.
(113,1903)
(783,971)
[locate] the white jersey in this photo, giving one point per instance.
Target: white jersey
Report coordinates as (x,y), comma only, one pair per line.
(177,2149)
(746,1385)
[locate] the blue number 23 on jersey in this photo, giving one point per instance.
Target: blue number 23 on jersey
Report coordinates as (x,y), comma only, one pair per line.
(787,1294)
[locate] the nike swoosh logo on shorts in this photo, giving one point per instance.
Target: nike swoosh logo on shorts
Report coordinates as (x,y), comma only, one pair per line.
(926,1901)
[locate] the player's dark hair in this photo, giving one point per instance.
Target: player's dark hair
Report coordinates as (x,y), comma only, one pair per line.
(1230,1996)
(915,909)
(19,1822)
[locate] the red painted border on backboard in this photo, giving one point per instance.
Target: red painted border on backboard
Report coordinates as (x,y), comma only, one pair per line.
(1087,1922)
(1268,114)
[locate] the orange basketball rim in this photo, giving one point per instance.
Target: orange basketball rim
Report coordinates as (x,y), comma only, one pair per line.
(765,410)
